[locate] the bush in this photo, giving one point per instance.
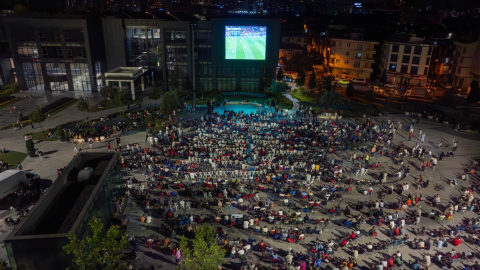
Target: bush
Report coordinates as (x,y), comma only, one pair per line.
(30,145)
(60,131)
(150,120)
(6,98)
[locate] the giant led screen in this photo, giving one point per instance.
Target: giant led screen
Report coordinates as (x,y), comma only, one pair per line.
(245,42)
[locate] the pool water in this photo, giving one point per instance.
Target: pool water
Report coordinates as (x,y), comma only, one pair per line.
(246,108)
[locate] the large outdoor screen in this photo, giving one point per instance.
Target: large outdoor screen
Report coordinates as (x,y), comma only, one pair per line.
(245,42)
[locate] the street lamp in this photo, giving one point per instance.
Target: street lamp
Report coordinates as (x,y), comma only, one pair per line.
(153,16)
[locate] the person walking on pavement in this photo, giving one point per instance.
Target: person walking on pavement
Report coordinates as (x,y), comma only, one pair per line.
(109,147)
(178,255)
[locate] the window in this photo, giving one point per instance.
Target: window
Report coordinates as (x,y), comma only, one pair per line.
(69,52)
(447,60)
(407,49)
(404,69)
(417,50)
(339,44)
(45,53)
(427,61)
(414,70)
(347,53)
(430,49)
(358,56)
(393,57)
(425,71)
(348,44)
(406,59)
(346,62)
(339,69)
(392,67)
(461,59)
(337,61)
(33,75)
(356,64)
(416,60)
(60,52)
(80,77)
(395,48)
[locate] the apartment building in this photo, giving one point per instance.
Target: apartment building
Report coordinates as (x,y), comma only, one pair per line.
(406,59)
(466,51)
(352,57)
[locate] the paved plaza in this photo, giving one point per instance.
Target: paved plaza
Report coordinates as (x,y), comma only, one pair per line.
(59,154)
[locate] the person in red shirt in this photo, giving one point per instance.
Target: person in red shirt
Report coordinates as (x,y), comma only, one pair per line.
(108,146)
(457,241)
(352,235)
(344,243)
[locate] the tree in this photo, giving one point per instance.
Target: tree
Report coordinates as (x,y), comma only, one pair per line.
(155,94)
(170,103)
(350,90)
(201,88)
(300,80)
(108,91)
(102,250)
(474,94)
(312,81)
(330,98)
(37,116)
(82,105)
(205,253)
(173,81)
(280,74)
(277,89)
(304,61)
(119,97)
(328,83)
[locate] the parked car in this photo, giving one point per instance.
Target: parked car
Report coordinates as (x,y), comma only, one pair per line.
(390,85)
(376,89)
(374,84)
(342,81)
(359,80)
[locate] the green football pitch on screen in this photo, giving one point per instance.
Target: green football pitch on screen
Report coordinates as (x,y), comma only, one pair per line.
(245,42)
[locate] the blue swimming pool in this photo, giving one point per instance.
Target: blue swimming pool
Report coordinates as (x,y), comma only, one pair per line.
(246,108)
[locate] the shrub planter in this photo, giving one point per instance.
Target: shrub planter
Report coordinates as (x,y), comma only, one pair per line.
(31,153)
(61,138)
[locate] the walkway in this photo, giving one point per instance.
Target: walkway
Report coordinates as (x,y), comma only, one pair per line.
(295,101)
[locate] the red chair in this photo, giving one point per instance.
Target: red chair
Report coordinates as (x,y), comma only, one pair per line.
(290,240)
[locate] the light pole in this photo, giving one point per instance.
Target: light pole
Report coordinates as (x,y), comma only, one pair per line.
(153,16)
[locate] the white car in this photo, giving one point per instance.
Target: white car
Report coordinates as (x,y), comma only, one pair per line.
(390,85)
(359,80)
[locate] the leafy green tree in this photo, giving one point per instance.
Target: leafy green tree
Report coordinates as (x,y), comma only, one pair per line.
(37,116)
(155,94)
(173,81)
(108,91)
(170,103)
(119,97)
(474,94)
(280,74)
(328,83)
(277,89)
(300,80)
(350,90)
(312,81)
(102,250)
(205,254)
(201,88)
(82,105)
(304,61)
(330,98)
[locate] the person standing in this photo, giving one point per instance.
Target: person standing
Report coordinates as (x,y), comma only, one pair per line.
(178,255)
(109,147)
(422,138)
(91,143)
(410,136)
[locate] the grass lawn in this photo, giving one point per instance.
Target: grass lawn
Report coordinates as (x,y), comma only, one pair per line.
(306,98)
(13,157)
